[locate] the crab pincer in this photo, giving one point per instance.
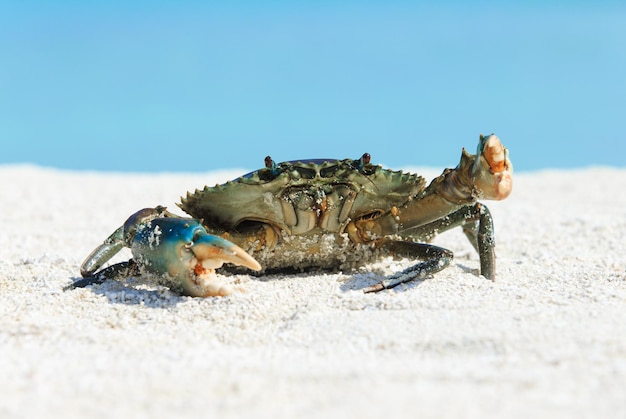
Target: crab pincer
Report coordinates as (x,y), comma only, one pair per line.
(179,253)
(176,252)
(492,170)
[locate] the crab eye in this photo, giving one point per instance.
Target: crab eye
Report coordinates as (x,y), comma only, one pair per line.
(363,164)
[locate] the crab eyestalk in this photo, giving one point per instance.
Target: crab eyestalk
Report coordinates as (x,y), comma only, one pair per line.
(182,255)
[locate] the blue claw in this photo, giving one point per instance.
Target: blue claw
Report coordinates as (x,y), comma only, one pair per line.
(185,255)
(177,252)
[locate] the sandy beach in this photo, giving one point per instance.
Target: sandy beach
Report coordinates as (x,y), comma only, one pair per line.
(546,339)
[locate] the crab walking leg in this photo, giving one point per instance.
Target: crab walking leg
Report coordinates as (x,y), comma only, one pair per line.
(477,224)
(435,259)
(101,254)
(118,271)
(486,244)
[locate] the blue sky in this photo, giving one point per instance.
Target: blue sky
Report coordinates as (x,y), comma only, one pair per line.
(200,85)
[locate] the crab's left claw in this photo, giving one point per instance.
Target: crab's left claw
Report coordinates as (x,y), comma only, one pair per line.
(180,252)
(492,170)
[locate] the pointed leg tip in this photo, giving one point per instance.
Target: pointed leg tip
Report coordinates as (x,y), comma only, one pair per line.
(84,282)
(374,288)
(489,277)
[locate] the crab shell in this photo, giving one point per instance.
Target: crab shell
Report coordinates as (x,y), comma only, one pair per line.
(303,197)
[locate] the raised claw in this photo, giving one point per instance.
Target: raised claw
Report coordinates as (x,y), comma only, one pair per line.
(492,170)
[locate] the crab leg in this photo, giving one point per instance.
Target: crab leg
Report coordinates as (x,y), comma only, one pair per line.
(477,224)
(117,271)
(109,248)
(435,259)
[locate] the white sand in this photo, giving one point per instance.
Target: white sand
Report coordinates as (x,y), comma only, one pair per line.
(547,339)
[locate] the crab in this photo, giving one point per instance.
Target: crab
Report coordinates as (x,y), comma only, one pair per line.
(312,214)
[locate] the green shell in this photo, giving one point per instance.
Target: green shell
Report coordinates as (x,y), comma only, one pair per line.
(277,194)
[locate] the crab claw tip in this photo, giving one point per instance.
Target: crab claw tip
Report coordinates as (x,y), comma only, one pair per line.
(493,150)
(241,257)
(213,251)
(493,170)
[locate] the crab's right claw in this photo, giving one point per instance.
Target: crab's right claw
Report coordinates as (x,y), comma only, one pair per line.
(181,253)
(492,170)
